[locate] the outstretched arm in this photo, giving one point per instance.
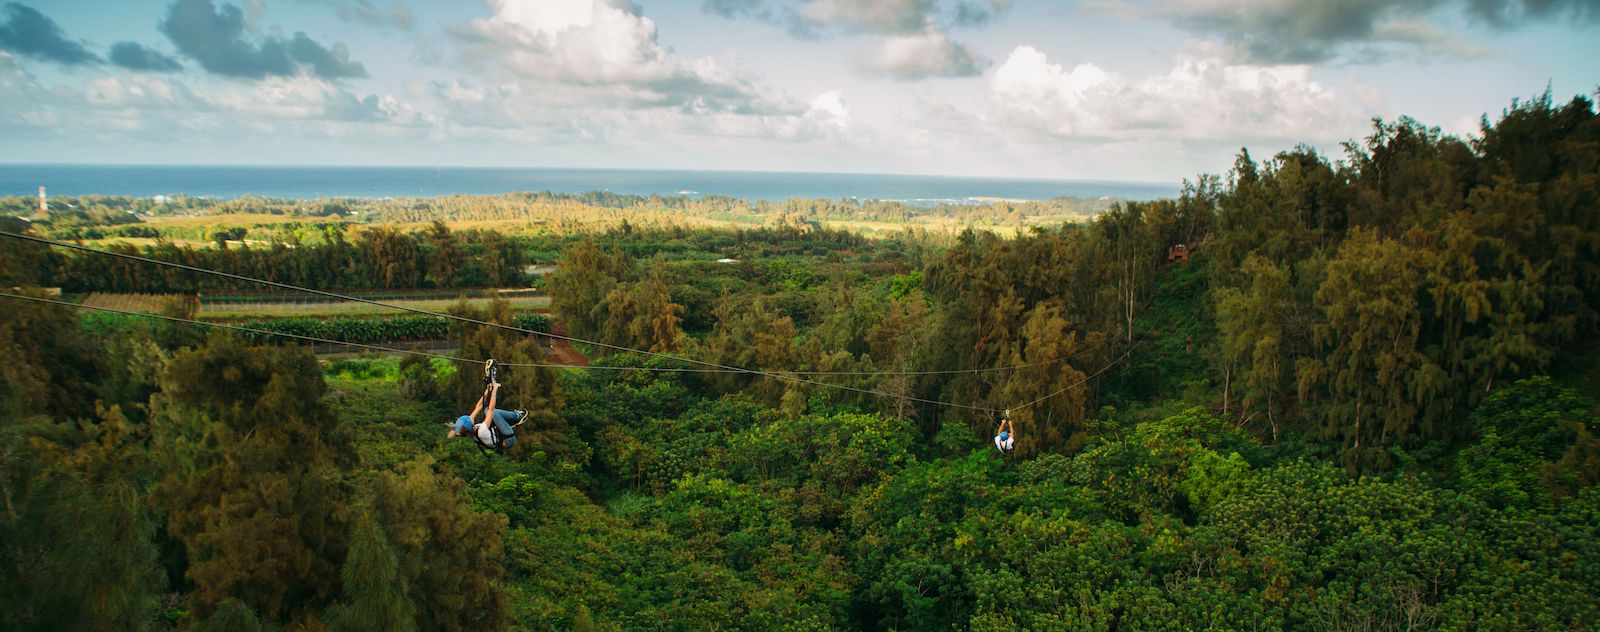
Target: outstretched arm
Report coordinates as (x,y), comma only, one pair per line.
(494,394)
(478,408)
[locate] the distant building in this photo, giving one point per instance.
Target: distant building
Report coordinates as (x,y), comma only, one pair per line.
(44,209)
(727,261)
(159,199)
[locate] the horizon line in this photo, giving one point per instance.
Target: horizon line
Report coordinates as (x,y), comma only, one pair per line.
(6,164)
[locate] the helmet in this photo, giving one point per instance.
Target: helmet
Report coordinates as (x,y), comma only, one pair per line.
(463,425)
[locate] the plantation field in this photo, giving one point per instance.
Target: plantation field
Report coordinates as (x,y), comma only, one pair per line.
(131,302)
(352,308)
(227,220)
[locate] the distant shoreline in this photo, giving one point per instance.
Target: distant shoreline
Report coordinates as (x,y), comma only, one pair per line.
(308,183)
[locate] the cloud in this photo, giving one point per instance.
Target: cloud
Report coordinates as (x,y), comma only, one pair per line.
(810,18)
(913,35)
(1200,99)
(32,34)
(923,55)
(114,111)
(596,50)
(1313,31)
(134,56)
(302,98)
(324,62)
(214,37)
(396,16)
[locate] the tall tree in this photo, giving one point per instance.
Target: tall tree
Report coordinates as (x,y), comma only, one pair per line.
(257,474)
(1371,383)
(448,555)
(1251,323)
(376,596)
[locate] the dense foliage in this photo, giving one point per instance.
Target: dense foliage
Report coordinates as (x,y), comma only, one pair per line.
(1365,402)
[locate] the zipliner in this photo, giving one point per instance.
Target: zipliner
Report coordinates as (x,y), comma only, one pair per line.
(498,428)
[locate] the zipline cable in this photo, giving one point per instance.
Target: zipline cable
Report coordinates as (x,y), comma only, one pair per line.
(265,332)
(1086,378)
(789,377)
(40,299)
(785,375)
(436,355)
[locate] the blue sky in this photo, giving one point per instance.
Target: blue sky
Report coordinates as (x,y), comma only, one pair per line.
(1152,90)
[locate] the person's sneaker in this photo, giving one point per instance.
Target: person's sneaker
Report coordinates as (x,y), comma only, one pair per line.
(521,414)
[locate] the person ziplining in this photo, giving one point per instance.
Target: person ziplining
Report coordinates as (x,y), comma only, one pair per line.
(498,429)
(1005,437)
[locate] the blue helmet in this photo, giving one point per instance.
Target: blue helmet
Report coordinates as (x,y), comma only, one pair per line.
(1004,435)
(463,425)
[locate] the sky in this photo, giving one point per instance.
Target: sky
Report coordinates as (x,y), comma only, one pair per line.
(1134,90)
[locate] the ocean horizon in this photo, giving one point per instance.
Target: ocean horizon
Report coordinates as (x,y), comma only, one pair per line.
(310,182)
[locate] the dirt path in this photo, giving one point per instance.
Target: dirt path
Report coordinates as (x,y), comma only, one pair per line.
(562,351)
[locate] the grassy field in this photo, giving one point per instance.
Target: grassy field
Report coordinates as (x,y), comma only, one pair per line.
(352,308)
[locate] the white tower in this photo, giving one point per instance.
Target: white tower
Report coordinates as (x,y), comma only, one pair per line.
(44,209)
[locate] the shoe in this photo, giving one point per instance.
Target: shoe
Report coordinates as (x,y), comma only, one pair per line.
(521,414)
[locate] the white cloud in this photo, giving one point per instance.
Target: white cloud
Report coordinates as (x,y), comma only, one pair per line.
(930,53)
(913,35)
(595,49)
(1200,99)
(882,16)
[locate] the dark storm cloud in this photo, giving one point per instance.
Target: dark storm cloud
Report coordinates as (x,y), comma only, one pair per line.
(29,33)
(1310,31)
(214,37)
(134,56)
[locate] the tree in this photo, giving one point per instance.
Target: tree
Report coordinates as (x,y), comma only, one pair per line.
(532,388)
(445,262)
(1251,325)
(579,286)
(448,555)
(658,327)
(256,475)
(1371,384)
(1056,422)
(376,597)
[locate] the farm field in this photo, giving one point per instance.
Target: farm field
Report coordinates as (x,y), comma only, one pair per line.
(352,308)
(152,303)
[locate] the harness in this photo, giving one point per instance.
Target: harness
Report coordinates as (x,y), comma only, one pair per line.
(491,377)
(498,437)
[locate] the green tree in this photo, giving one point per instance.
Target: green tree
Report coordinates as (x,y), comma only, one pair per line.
(446,261)
(1251,323)
(256,475)
(448,555)
(1371,384)
(531,388)
(375,595)
(580,284)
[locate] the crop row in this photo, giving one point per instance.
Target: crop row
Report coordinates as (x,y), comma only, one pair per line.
(374,329)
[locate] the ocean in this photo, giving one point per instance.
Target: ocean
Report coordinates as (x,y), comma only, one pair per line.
(382,182)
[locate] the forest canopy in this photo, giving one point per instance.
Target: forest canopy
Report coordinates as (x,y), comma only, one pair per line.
(1361,395)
